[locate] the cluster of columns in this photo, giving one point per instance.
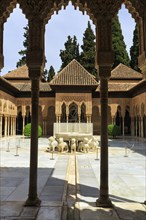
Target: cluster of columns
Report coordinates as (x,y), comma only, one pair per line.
(7,125)
(35,63)
(138,125)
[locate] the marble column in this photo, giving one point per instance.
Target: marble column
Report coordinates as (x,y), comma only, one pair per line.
(6,126)
(14,127)
(139,126)
(44,127)
(132,126)
(113,120)
(23,116)
(104,60)
(142,131)
(0,126)
(35,62)
(136,126)
(33,199)
(104,200)
(11,127)
(123,126)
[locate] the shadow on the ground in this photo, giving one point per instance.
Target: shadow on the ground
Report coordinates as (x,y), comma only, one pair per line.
(54,191)
(134,144)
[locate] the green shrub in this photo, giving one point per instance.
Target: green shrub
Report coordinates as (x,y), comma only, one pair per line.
(114,130)
(27,130)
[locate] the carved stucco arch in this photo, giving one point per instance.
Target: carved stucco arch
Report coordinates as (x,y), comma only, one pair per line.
(44,9)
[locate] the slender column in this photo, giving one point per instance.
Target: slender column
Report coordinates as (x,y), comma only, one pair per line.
(139,126)
(14,128)
(11,127)
(104,200)
(12,124)
(132,126)
(32,197)
(89,118)
(6,124)
(142,133)
(67,121)
(104,60)
(136,126)
(43,126)
(113,120)
(123,127)
(23,123)
(35,62)
(0,126)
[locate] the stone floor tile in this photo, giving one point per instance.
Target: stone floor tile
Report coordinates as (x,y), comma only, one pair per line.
(49,213)
(9,209)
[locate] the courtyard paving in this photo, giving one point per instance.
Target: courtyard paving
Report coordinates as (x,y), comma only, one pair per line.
(68,184)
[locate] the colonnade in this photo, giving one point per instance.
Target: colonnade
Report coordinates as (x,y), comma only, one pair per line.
(7,125)
(102,13)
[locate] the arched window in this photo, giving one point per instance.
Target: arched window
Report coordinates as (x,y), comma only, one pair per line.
(119,118)
(83,113)
(63,115)
(19,127)
(73,113)
(127,121)
(27,116)
(50,120)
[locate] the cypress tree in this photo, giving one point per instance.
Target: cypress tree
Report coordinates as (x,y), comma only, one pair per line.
(134,50)
(87,58)
(70,52)
(118,44)
(51,74)
(23,52)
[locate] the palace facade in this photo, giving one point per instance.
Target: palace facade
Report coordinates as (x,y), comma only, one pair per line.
(73,96)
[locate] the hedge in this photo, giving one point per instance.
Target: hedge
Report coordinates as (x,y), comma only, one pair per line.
(27,130)
(114,130)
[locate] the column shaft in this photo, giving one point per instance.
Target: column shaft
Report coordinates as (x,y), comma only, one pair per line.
(32,197)
(0,126)
(104,197)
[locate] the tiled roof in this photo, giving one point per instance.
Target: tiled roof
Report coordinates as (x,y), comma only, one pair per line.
(26,87)
(20,72)
(119,87)
(124,72)
(74,74)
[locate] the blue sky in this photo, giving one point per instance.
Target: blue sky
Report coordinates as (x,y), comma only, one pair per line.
(66,22)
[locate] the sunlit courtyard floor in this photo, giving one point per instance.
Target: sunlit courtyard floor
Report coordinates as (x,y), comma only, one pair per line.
(68,184)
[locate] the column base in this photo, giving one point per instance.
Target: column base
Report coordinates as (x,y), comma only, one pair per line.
(32,202)
(104,202)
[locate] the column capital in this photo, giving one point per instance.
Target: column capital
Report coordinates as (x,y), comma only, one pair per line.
(35,73)
(104,72)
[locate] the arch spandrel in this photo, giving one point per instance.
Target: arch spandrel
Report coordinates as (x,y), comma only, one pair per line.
(135,8)
(6,8)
